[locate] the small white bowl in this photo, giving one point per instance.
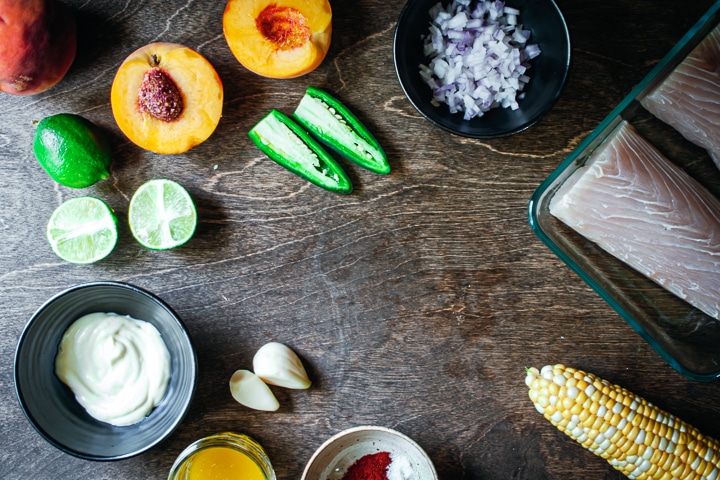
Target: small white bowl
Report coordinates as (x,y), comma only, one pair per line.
(339,452)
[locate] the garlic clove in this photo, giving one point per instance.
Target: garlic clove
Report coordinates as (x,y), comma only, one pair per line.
(249,390)
(279,365)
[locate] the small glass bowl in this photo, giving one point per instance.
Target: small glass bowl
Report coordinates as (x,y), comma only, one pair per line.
(235,441)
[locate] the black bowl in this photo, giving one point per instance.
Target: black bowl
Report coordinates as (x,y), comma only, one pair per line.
(50,405)
(548,71)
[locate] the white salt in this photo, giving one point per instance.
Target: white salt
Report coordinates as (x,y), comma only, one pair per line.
(401,469)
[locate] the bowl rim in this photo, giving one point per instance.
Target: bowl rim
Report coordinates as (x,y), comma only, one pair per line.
(366,428)
(549,102)
(22,339)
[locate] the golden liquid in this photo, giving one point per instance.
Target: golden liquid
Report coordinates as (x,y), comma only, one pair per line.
(221,463)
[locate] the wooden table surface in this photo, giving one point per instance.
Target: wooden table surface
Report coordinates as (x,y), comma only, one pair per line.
(415,303)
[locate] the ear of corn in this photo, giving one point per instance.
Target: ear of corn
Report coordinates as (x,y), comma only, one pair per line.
(634,436)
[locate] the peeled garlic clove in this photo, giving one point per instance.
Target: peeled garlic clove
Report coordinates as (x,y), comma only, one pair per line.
(249,390)
(277,364)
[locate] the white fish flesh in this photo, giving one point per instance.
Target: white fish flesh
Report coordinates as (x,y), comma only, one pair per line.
(641,208)
(688,99)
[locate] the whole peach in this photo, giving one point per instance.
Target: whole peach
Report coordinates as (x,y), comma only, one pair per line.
(38,40)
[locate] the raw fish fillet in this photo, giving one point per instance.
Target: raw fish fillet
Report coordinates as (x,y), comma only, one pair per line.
(641,208)
(689,98)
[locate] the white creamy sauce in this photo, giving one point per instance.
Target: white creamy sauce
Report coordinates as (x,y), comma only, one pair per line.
(117,367)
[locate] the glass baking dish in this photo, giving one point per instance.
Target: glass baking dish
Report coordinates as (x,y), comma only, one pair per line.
(688,339)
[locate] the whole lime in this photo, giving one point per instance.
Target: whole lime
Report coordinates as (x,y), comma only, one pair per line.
(72,150)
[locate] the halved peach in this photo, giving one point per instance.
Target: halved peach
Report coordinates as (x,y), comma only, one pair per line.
(167,98)
(278,38)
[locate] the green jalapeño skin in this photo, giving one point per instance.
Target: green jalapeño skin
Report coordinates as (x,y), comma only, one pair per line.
(337,127)
(284,141)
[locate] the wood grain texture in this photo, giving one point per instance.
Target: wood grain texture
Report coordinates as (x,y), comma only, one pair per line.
(415,303)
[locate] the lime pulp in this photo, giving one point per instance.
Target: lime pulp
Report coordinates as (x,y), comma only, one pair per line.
(82,230)
(162,215)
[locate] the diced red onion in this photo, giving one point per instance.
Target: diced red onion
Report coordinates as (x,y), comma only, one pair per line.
(479,56)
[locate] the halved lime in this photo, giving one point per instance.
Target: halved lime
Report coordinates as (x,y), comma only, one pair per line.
(162,215)
(82,230)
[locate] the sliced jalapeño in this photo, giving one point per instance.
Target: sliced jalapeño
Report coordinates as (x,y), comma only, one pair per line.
(285,142)
(337,127)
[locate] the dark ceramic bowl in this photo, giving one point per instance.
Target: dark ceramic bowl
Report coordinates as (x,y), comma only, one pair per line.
(50,405)
(547,72)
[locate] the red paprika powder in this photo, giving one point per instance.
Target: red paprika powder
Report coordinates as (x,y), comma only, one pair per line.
(369,467)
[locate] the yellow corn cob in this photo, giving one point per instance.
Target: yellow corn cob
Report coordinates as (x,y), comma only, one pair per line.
(633,435)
